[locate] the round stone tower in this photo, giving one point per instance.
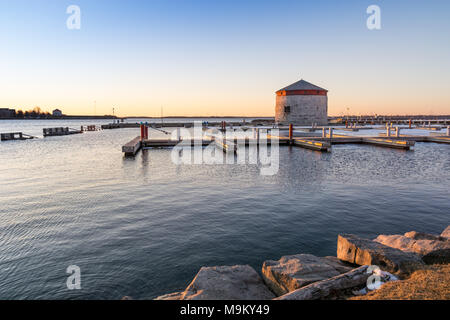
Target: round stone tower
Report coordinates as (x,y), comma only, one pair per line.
(302,103)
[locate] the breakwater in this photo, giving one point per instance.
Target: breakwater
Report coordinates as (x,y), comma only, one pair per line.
(360,266)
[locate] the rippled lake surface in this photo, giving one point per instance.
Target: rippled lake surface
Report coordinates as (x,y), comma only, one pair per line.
(144,227)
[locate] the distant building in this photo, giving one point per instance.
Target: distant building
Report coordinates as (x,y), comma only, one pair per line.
(7,113)
(57,113)
(302,103)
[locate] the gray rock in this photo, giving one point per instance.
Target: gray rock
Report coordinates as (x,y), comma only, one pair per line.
(295,271)
(432,249)
(362,251)
(423,236)
(325,288)
(339,265)
(446,233)
(396,241)
(437,257)
(422,247)
(240,282)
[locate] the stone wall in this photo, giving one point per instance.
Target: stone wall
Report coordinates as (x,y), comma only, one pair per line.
(305,109)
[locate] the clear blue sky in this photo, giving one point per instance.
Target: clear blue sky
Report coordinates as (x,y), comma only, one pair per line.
(223,57)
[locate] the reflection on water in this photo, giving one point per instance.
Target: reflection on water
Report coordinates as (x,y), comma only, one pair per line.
(144,227)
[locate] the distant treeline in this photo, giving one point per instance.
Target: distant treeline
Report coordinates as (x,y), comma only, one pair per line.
(35,113)
(38,113)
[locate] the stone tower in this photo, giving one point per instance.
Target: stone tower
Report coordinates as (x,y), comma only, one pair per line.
(302,103)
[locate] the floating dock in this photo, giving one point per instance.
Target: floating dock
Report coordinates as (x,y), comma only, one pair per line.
(15,136)
(439,139)
(165,143)
(429,128)
(61,131)
(90,128)
(226,145)
(314,142)
(131,148)
(397,144)
(313,145)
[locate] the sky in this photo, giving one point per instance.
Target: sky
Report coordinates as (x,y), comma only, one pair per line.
(223,58)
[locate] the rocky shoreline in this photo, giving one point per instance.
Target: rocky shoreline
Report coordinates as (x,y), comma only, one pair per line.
(360,265)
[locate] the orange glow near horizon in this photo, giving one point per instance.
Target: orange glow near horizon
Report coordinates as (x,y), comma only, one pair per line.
(216,103)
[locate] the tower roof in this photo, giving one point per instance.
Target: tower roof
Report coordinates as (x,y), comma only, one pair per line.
(302,85)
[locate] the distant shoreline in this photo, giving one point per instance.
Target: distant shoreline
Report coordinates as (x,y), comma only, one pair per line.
(350,117)
(68,118)
(191,117)
(120,118)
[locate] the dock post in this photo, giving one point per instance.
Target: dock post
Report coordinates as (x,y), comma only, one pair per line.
(324,132)
(331,133)
(291,132)
(142,132)
(178,134)
(388,131)
(145,132)
(397,132)
(257,136)
(410,123)
(448,131)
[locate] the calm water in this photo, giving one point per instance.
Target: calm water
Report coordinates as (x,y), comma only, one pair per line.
(144,227)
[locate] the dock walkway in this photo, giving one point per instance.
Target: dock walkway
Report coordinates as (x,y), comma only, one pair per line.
(15,136)
(317,143)
(60,131)
(132,147)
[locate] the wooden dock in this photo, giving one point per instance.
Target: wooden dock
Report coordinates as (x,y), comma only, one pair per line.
(61,131)
(131,148)
(164,143)
(313,141)
(226,146)
(396,144)
(439,139)
(313,145)
(429,128)
(15,136)
(92,127)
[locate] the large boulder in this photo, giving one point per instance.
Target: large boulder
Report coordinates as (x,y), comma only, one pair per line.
(446,233)
(240,282)
(441,256)
(295,271)
(325,288)
(362,251)
(432,249)
(340,266)
(423,236)
(396,241)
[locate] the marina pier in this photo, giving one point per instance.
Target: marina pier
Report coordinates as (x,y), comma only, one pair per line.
(307,140)
(15,136)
